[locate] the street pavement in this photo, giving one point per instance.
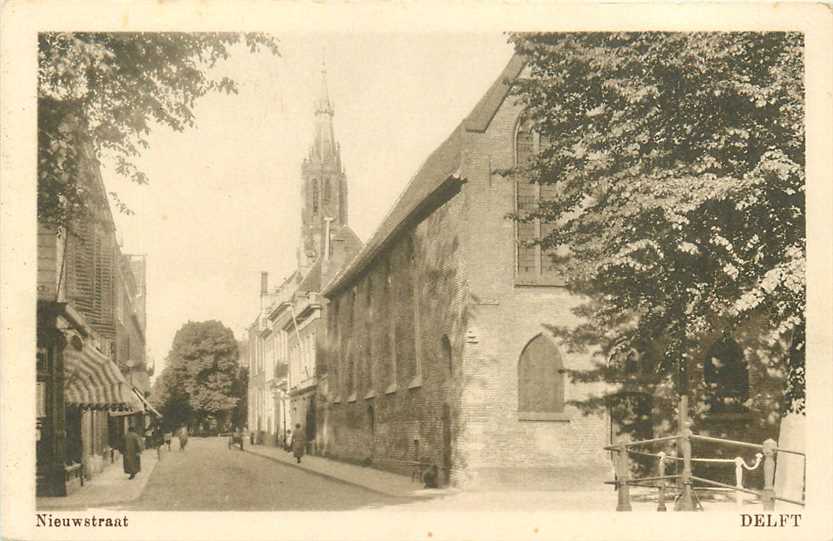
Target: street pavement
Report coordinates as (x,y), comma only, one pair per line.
(209,476)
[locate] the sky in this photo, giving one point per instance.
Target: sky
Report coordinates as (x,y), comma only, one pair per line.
(223,202)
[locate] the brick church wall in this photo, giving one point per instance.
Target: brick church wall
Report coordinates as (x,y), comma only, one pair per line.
(495,447)
(395,341)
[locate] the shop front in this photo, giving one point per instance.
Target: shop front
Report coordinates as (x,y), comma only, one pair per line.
(78,387)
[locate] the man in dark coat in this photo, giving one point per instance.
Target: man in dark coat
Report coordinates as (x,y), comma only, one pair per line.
(132,453)
(298,443)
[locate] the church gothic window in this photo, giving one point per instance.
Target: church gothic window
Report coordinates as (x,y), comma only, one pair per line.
(445,346)
(531,260)
(326,190)
(314,195)
(389,349)
(540,378)
(368,304)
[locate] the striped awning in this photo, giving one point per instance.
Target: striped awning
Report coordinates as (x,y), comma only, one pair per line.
(147,405)
(93,381)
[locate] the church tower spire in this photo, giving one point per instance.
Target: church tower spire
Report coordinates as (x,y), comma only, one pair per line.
(324,137)
(323,183)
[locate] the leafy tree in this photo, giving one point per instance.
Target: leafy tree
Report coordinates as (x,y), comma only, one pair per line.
(239,415)
(102,92)
(169,397)
(202,374)
(679,163)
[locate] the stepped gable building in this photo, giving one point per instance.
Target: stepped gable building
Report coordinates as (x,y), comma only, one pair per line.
(284,338)
(437,347)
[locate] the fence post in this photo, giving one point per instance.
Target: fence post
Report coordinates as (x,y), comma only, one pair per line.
(738,481)
(624,502)
(768,493)
(686,501)
(661,473)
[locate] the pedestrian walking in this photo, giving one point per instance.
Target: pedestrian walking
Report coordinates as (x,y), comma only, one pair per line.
(168,437)
(298,443)
(156,440)
(132,452)
(183,438)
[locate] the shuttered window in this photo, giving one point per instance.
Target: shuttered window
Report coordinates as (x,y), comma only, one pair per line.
(91,268)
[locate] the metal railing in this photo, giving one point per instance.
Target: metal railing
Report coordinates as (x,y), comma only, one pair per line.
(684,479)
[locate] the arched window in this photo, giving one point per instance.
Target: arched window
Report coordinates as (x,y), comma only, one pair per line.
(410,250)
(326,190)
(371,419)
(531,261)
(526,199)
(368,333)
(540,378)
(445,347)
(726,377)
(314,195)
(351,371)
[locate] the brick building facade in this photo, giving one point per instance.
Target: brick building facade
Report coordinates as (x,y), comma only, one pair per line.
(284,338)
(91,322)
(437,345)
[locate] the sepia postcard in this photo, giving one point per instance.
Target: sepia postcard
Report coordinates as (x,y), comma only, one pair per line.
(393,271)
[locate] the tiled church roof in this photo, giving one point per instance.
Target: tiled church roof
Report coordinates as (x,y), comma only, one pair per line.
(485,110)
(433,179)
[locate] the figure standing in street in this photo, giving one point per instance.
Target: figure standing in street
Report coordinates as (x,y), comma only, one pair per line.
(298,443)
(132,452)
(183,438)
(168,438)
(156,440)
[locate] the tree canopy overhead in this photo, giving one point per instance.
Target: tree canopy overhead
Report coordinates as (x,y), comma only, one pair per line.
(679,163)
(107,90)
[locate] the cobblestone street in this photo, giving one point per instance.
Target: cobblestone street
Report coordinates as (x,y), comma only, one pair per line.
(209,476)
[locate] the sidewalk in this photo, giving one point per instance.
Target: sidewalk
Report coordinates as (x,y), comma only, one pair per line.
(381,482)
(418,498)
(109,487)
(400,486)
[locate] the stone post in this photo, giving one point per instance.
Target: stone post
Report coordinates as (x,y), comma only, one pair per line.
(768,493)
(661,473)
(623,474)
